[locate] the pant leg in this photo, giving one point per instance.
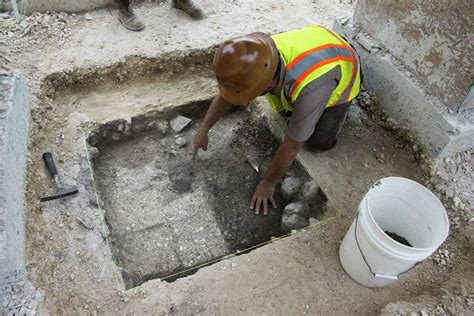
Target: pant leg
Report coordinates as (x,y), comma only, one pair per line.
(123,4)
(328,127)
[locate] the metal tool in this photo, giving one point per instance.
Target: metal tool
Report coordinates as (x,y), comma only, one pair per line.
(253,162)
(60,190)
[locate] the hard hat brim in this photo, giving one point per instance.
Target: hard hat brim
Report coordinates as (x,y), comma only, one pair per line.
(244,96)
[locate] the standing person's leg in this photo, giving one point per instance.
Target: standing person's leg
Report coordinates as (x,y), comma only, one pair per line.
(189,7)
(328,127)
(128,18)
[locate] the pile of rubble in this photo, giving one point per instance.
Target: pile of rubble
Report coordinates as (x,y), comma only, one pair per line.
(450,179)
(20,299)
(26,34)
(456,300)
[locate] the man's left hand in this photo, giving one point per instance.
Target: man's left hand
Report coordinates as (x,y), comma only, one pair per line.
(263,194)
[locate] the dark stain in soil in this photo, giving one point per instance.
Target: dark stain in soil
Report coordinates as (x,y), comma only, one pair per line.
(398,238)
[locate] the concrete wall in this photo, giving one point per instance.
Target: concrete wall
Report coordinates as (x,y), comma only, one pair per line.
(433,39)
(14,127)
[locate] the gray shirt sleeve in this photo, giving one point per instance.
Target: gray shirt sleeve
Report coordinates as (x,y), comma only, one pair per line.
(310,105)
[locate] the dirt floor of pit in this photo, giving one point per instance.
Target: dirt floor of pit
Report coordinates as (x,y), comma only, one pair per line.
(69,262)
(168,212)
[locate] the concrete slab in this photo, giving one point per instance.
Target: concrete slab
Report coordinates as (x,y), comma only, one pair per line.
(104,41)
(402,97)
(14,128)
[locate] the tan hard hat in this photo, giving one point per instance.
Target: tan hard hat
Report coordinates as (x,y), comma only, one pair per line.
(244,67)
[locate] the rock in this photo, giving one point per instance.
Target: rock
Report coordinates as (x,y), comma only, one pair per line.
(179,123)
(88,17)
(461,290)
(457,201)
(93,152)
(391,122)
(380,157)
(298,208)
(423,312)
(72,277)
(293,221)
(164,142)
(180,142)
(309,191)
(4,15)
(162,127)
(290,187)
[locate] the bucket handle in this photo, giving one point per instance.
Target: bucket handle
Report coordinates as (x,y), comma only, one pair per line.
(375,274)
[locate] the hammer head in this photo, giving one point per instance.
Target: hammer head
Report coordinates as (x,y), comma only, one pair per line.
(60,194)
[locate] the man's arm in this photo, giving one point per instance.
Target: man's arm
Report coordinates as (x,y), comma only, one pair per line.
(219,106)
(282,161)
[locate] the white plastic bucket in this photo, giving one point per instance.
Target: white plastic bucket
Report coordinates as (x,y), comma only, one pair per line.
(400,206)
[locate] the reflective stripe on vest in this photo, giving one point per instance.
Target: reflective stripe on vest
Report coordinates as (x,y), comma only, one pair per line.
(311,60)
(355,68)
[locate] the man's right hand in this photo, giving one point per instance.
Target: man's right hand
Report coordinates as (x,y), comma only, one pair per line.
(200,141)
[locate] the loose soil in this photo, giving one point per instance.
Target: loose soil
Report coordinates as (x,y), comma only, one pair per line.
(398,238)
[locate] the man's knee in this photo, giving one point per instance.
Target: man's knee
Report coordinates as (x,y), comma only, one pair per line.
(321,145)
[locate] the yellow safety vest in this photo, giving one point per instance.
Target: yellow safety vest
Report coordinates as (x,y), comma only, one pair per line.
(309,53)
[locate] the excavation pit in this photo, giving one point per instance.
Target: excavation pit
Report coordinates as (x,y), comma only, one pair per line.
(169,213)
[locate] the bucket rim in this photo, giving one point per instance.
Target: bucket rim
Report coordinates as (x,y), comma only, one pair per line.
(444,213)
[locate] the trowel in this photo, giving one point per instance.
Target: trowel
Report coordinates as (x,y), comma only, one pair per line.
(60,190)
(253,162)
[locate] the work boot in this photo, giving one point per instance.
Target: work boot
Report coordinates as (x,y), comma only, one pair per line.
(129,19)
(189,7)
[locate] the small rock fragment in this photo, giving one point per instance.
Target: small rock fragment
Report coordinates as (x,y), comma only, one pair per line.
(457,201)
(88,17)
(81,221)
(162,127)
(93,152)
(391,122)
(380,157)
(180,142)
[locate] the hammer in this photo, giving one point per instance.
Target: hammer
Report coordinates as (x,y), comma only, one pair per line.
(60,191)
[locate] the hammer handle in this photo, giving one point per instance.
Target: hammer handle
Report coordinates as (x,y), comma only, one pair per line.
(49,161)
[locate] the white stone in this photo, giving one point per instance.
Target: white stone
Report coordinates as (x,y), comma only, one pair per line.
(293,221)
(298,208)
(290,187)
(309,191)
